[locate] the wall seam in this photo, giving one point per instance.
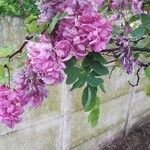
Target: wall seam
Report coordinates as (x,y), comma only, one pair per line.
(129,104)
(66,109)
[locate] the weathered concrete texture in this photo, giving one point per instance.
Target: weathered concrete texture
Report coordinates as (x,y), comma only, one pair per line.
(60,123)
(11,30)
(81,131)
(140,108)
(42,137)
(97,142)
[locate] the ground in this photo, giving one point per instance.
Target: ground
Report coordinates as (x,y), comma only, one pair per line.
(137,139)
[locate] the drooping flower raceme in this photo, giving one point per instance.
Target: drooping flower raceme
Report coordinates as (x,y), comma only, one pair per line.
(50,7)
(136,5)
(30,88)
(125,54)
(88,30)
(10,107)
(45,62)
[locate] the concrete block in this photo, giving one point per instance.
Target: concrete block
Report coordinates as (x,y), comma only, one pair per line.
(140,104)
(41,137)
(97,142)
(12,30)
(112,113)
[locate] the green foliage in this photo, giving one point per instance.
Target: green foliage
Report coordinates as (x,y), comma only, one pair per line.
(147,72)
(138,32)
(144,28)
(94,108)
(2,71)
(89,73)
(32,25)
(16,8)
(6,50)
(54,21)
(147,87)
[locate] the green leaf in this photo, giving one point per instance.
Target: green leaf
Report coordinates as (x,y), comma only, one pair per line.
(5,51)
(53,23)
(2,71)
(70,63)
(138,32)
(147,90)
(145,18)
(55,20)
(87,60)
(133,19)
(72,75)
(102,87)
(98,57)
(78,84)
(4,80)
(144,43)
(95,82)
(30,19)
(85,97)
(93,117)
(89,93)
(147,72)
(99,69)
(94,104)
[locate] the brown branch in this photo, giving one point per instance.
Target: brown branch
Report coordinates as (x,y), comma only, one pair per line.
(142,65)
(133,48)
(110,50)
(21,48)
(140,49)
(111,61)
(138,78)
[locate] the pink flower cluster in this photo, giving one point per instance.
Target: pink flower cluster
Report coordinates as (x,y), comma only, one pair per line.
(125,54)
(83,30)
(46,63)
(49,8)
(89,30)
(10,107)
(30,88)
(136,5)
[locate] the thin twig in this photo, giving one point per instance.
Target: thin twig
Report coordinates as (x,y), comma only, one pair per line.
(111,61)
(138,78)
(114,67)
(21,48)
(140,49)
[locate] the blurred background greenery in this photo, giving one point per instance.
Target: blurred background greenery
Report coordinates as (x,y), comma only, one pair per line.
(18,8)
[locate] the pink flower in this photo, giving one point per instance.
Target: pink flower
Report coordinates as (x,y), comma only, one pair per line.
(137,6)
(94,30)
(62,49)
(47,9)
(31,88)
(10,107)
(115,4)
(47,61)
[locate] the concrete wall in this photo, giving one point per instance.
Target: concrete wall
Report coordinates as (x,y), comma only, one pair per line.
(60,123)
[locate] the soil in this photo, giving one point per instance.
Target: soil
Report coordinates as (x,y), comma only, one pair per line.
(137,139)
